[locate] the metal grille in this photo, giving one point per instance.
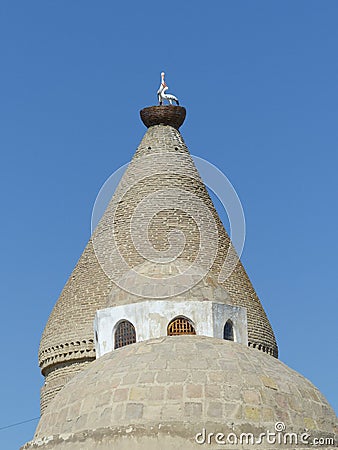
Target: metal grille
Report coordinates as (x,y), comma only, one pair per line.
(228,333)
(180,326)
(125,334)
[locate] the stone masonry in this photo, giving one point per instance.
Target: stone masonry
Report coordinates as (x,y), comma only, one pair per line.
(162,392)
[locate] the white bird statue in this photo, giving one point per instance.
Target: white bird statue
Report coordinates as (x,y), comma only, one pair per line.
(160,89)
(170,97)
(161,93)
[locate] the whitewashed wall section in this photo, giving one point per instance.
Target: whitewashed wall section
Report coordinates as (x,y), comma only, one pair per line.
(151,318)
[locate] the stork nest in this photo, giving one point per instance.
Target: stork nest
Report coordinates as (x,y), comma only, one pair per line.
(163,115)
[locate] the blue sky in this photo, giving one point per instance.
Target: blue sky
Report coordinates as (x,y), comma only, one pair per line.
(259,81)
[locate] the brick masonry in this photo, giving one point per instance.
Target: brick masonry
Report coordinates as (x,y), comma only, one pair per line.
(161,162)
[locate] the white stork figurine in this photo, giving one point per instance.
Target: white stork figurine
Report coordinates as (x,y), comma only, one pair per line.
(161,93)
(170,97)
(160,89)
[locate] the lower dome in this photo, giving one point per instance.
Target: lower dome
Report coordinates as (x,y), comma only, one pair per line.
(175,392)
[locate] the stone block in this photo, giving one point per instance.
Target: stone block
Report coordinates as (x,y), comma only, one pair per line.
(156,393)
(251,413)
(171,411)
(121,395)
(130,378)
(146,377)
(213,390)
(269,382)
(215,409)
(194,390)
(268,415)
(251,397)
(152,412)
(309,423)
(134,411)
(175,391)
(192,409)
(138,393)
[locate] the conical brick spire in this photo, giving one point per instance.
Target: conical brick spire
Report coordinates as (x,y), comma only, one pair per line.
(161,211)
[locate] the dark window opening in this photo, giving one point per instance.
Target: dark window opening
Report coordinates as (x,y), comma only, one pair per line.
(125,334)
(228,332)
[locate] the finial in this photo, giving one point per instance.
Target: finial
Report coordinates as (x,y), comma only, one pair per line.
(164,114)
(162,95)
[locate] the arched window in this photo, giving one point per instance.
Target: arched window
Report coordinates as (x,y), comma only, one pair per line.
(228,332)
(180,325)
(125,334)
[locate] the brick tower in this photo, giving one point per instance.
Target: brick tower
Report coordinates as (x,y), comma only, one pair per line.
(158,339)
(162,163)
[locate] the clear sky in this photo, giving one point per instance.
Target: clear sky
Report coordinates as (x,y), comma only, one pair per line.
(259,81)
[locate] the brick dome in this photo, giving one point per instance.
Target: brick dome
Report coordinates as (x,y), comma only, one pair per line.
(161,393)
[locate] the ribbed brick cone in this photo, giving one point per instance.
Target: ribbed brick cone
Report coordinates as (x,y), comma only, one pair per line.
(161,164)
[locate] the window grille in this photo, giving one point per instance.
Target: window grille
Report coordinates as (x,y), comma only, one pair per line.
(180,326)
(125,334)
(228,332)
